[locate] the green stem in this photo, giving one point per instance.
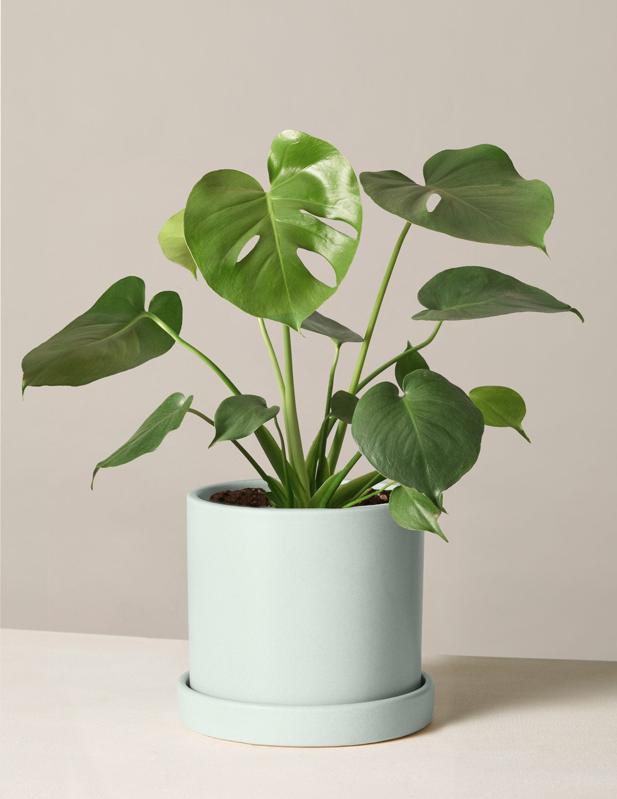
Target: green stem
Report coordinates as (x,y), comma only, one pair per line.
(321,461)
(370,328)
(358,500)
(284,451)
(273,358)
(292,426)
(208,361)
(237,445)
(398,357)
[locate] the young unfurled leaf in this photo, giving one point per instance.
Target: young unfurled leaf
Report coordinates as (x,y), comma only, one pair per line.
(475,292)
(407,364)
(310,181)
(415,511)
(500,406)
(318,323)
(342,405)
(173,244)
(481,197)
(239,416)
(167,417)
(426,439)
(114,335)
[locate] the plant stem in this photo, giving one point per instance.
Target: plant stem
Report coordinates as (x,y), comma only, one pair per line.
(292,426)
(353,387)
(398,357)
(363,497)
(237,445)
(287,482)
(273,358)
(208,361)
(321,461)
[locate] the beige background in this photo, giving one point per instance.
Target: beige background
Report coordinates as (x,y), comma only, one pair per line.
(114,109)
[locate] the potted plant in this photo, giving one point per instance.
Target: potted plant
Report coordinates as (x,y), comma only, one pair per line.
(305,585)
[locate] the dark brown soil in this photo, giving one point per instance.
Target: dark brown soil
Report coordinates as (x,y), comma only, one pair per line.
(258,498)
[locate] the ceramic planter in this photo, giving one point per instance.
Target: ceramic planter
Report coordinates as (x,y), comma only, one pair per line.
(304,625)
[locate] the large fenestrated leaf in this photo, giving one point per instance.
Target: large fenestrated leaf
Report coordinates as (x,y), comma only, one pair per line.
(148,436)
(501,407)
(239,416)
(413,510)
(475,292)
(318,323)
(173,244)
(114,335)
(425,439)
(481,197)
(310,181)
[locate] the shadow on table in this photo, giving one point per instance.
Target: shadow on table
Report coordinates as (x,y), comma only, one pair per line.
(471,687)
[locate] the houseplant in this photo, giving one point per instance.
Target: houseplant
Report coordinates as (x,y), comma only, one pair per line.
(304,618)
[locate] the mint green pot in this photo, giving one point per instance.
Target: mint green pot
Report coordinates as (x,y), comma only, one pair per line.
(304,625)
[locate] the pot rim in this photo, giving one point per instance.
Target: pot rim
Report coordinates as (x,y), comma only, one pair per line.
(200,496)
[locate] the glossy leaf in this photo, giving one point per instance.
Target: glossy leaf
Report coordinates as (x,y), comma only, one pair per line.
(239,416)
(415,511)
(481,197)
(310,181)
(318,323)
(475,292)
(148,436)
(343,405)
(114,335)
(173,244)
(501,407)
(426,439)
(407,364)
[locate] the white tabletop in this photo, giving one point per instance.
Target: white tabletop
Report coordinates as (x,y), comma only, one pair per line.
(94,717)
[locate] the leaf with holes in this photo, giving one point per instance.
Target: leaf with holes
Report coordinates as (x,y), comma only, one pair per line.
(114,335)
(481,197)
(148,436)
(343,405)
(501,407)
(426,439)
(173,244)
(318,323)
(476,292)
(411,361)
(310,181)
(239,416)
(413,510)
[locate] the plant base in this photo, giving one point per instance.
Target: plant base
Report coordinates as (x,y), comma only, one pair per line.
(309,725)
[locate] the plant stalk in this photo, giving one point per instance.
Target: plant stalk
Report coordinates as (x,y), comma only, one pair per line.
(322,461)
(292,426)
(339,436)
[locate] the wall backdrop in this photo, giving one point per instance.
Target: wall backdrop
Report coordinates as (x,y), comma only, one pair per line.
(113,111)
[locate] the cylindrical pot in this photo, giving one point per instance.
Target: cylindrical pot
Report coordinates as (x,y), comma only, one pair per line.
(304,624)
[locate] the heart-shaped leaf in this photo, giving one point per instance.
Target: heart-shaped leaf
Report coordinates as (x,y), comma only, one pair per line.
(239,416)
(173,244)
(475,292)
(407,364)
(318,323)
(426,439)
(415,511)
(309,181)
(481,197)
(343,405)
(114,335)
(501,407)
(148,436)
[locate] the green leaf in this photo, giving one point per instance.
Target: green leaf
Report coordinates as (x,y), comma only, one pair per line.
(173,244)
(239,416)
(426,439)
(114,335)
(309,181)
(342,405)
(407,364)
(481,197)
(317,323)
(415,511)
(500,406)
(167,417)
(475,292)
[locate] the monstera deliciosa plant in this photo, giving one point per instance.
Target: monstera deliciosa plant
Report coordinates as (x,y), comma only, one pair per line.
(420,434)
